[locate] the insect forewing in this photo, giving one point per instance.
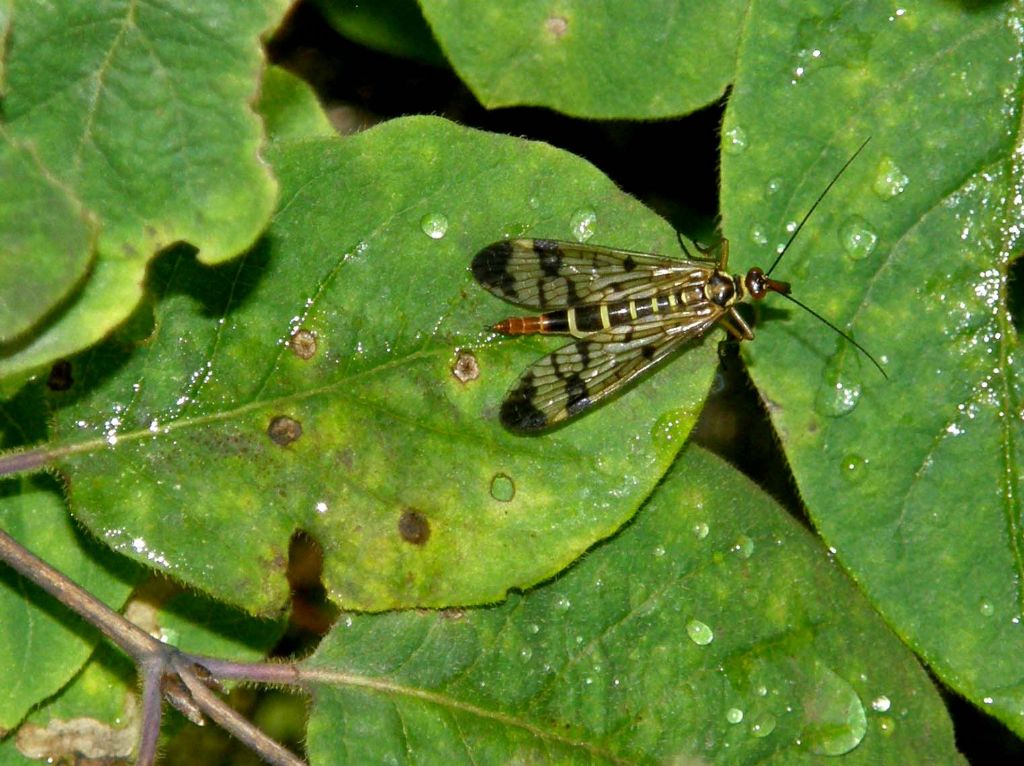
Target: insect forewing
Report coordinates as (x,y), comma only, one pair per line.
(545,274)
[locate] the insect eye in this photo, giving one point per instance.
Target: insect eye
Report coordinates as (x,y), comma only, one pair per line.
(756,283)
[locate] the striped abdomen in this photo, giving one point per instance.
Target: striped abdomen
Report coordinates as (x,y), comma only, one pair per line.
(580,321)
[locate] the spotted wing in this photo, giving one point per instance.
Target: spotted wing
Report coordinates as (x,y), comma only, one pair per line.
(545,274)
(573,378)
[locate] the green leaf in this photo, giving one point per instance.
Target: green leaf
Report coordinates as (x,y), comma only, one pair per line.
(289,107)
(6,7)
(712,629)
(347,322)
(915,480)
(592,59)
(143,113)
(391,26)
(46,240)
(37,632)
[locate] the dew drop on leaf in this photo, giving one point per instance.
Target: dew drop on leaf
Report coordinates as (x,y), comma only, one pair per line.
(854,468)
(734,140)
(836,721)
(762,725)
(434,225)
(699,632)
(743,547)
(581,224)
(840,392)
(758,235)
(890,180)
(857,237)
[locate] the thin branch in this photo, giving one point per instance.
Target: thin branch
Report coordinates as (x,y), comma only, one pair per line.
(229,719)
(165,671)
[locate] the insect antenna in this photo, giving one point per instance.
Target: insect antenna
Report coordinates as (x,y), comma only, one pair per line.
(789,242)
(807,215)
(842,334)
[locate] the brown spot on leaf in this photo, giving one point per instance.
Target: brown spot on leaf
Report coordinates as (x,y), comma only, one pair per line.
(465,368)
(283,430)
(557,26)
(414,527)
(60,376)
(303,344)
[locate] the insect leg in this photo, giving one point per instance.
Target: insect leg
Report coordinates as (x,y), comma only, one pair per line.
(735,324)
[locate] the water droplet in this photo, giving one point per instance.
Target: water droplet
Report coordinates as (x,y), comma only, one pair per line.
(503,489)
(525,654)
(659,550)
(986,608)
(839,392)
(881,704)
(699,633)
(743,547)
(734,140)
(857,238)
(854,468)
(434,225)
(758,235)
(563,603)
(701,530)
(581,224)
(762,725)
(836,722)
(670,431)
(890,180)
(534,628)
(773,185)
(734,715)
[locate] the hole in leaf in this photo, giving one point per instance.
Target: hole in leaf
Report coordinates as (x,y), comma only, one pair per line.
(60,376)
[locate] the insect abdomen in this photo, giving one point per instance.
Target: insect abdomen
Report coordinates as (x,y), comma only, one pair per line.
(581,321)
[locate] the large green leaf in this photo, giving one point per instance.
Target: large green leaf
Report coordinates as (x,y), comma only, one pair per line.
(915,480)
(711,630)
(289,107)
(46,240)
(142,111)
(313,386)
(591,58)
(37,633)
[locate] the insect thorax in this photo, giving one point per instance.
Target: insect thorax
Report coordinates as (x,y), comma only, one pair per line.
(723,289)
